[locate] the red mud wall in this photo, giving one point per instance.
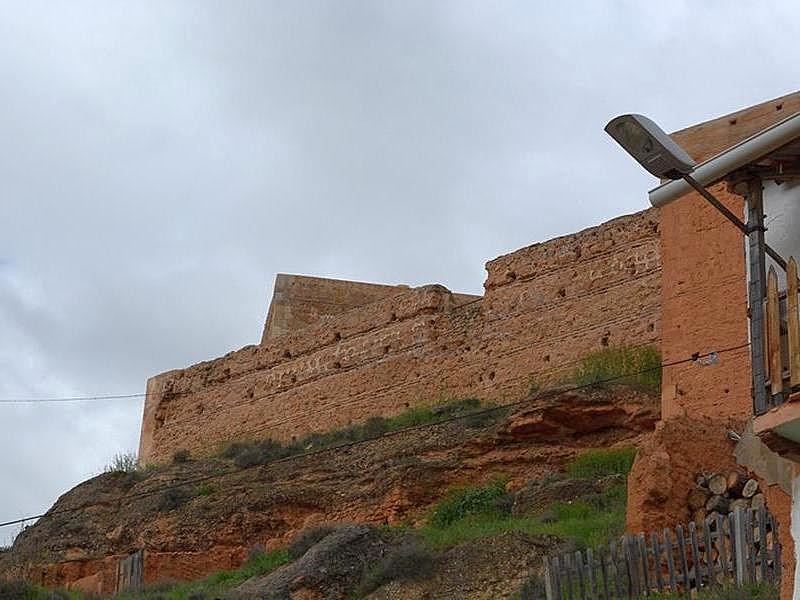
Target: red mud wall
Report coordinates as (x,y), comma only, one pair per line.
(545,306)
(704,309)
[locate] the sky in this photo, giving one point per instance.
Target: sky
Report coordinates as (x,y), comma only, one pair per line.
(161,161)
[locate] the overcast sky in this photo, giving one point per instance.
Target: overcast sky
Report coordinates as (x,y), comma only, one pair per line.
(161,161)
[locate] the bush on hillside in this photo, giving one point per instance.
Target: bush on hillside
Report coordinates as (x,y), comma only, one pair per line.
(172,499)
(123,462)
(308,538)
(488,500)
(411,560)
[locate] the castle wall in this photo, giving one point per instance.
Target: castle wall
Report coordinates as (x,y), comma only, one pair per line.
(299,301)
(545,306)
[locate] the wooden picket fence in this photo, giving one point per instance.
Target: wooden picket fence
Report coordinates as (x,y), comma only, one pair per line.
(782,340)
(130,572)
(741,547)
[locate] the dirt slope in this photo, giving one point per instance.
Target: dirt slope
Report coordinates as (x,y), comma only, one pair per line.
(212,526)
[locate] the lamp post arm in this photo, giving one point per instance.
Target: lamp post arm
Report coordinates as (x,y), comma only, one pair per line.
(731,217)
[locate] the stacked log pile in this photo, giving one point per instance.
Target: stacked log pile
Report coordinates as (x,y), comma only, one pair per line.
(722,493)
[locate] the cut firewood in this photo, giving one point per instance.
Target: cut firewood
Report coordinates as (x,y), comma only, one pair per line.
(718,484)
(697,498)
(742,503)
(750,488)
(758,501)
(699,516)
(736,481)
(717,503)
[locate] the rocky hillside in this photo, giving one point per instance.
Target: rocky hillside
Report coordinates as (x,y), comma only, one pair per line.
(198,516)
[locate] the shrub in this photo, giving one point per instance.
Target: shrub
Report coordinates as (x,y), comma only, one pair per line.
(532,589)
(600,463)
(308,538)
(181,456)
(259,453)
(205,489)
(172,499)
(639,367)
(411,560)
(123,462)
(489,500)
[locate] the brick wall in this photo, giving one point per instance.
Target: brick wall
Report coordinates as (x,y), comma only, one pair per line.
(704,293)
(545,306)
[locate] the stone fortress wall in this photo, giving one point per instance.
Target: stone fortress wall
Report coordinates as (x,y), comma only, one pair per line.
(335,353)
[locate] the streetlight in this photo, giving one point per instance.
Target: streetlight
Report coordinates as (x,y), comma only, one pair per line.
(661,156)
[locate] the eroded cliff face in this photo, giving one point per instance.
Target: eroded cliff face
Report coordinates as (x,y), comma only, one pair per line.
(211,525)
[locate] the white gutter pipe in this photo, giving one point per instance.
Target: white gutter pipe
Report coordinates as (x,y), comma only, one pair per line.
(743,153)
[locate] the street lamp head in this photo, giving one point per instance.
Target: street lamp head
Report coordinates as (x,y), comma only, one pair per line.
(650,146)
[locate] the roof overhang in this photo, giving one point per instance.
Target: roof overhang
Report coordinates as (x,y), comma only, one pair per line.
(753,149)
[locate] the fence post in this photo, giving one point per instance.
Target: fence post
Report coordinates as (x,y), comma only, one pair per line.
(793,322)
(738,537)
(774,335)
(548,584)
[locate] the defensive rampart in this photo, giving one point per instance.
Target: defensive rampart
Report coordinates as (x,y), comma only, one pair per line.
(545,306)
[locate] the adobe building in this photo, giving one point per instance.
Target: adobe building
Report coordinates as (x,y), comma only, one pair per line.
(679,276)
(722,293)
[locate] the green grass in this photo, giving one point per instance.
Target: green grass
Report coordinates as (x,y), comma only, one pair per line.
(476,512)
(588,523)
(616,363)
(595,464)
(490,501)
(20,590)
(212,586)
(123,462)
(758,591)
(247,454)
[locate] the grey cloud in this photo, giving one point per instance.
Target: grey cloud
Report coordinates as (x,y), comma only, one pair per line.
(161,161)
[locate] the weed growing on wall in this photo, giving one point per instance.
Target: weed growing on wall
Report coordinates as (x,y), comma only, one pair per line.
(617,363)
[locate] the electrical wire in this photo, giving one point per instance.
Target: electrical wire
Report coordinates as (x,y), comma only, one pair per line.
(329,449)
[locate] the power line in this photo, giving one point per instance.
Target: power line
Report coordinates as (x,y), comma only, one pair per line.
(71,399)
(694,358)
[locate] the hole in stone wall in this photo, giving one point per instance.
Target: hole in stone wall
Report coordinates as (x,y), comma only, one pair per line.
(778,106)
(651,327)
(732,121)
(200,409)
(386,349)
(491,376)
(546,358)
(337,337)
(604,339)
(294,379)
(562,292)
(337,365)
(250,393)
(287,354)
(393,317)
(511,276)
(407,405)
